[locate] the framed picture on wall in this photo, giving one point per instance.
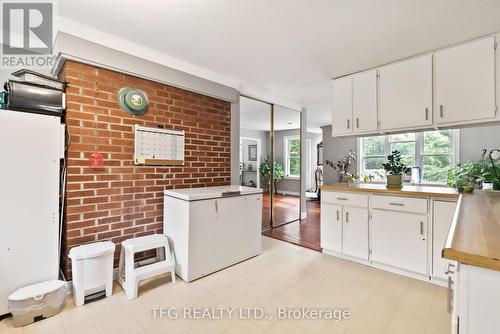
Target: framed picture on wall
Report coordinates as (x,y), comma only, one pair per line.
(252,152)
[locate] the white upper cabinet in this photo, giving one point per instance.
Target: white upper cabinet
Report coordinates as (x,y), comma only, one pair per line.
(364,102)
(450,87)
(405,94)
(342,106)
(464,82)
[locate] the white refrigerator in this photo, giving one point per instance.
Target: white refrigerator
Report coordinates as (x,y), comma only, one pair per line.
(31,146)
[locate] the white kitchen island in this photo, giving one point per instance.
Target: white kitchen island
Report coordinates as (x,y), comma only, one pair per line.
(212,228)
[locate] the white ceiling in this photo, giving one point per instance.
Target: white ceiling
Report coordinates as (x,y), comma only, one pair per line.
(283,51)
(256,115)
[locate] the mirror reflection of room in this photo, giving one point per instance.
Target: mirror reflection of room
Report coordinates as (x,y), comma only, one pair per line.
(288,155)
(255,150)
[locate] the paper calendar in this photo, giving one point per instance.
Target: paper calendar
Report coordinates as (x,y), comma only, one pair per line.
(156,146)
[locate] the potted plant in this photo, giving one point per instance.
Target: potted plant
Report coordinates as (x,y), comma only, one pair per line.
(265,174)
(491,169)
(465,176)
(343,166)
(395,169)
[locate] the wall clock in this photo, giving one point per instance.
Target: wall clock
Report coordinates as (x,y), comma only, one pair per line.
(133,101)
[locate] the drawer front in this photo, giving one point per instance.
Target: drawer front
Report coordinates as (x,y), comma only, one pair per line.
(344,198)
(396,203)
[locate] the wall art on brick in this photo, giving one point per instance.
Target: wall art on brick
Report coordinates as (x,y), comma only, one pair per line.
(121,200)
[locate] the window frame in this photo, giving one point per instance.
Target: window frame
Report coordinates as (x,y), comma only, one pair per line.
(286,156)
(419,152)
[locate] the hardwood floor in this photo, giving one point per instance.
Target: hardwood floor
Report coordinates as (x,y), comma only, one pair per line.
(286,209)
(305,232)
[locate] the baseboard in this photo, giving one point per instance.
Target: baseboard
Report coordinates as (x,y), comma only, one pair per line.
(398,271)
(346,257)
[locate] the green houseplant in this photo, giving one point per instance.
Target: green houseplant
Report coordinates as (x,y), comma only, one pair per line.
(265,174)
(465,176)
(395,169)
(343,166)
(491,171)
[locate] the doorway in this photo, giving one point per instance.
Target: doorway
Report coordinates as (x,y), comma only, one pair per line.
(270,159)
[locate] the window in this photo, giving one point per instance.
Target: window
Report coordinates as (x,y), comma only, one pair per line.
(433,151)
(292,157)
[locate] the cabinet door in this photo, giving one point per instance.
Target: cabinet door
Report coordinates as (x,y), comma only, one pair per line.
(342,106)
(204,254)
(442,217)
(250,233)
(331,227)
(405,94)
(399,239)
(464,82)
(355,232)
(364,102)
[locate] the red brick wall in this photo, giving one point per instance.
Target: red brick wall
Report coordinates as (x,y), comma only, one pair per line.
(122,200)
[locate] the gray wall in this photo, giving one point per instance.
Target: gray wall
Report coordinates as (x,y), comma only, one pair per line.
(335,149)
(264,140)
(472,142)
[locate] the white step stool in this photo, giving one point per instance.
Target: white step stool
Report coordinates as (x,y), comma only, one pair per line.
(166,262)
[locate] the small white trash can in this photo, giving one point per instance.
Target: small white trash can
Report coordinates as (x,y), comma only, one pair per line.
(92,267)
(37,302)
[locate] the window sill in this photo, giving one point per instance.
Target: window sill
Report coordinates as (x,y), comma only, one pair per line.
(291,178)
(422,184)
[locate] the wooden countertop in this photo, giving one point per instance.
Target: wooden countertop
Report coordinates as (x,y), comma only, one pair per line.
(474,236)
(407,190)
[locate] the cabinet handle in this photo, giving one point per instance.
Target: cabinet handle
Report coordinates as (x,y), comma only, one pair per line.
(348,123)
(449,296)
(347,217)
(338,215)
(396,204)
(426,114)
(341,199)
(216,206)
(357,122)
(449,265)
(441,111)
(421,228)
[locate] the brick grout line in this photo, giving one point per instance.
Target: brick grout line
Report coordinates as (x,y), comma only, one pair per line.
(125,200)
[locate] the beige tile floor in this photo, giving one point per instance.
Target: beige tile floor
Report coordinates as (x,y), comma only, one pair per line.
(283,276)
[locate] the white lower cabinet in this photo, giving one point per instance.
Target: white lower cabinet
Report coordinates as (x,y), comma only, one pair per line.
(399,239)
(400,233)
(344,227)
(331,226)
(355,232)
(476,296)
(442,216)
